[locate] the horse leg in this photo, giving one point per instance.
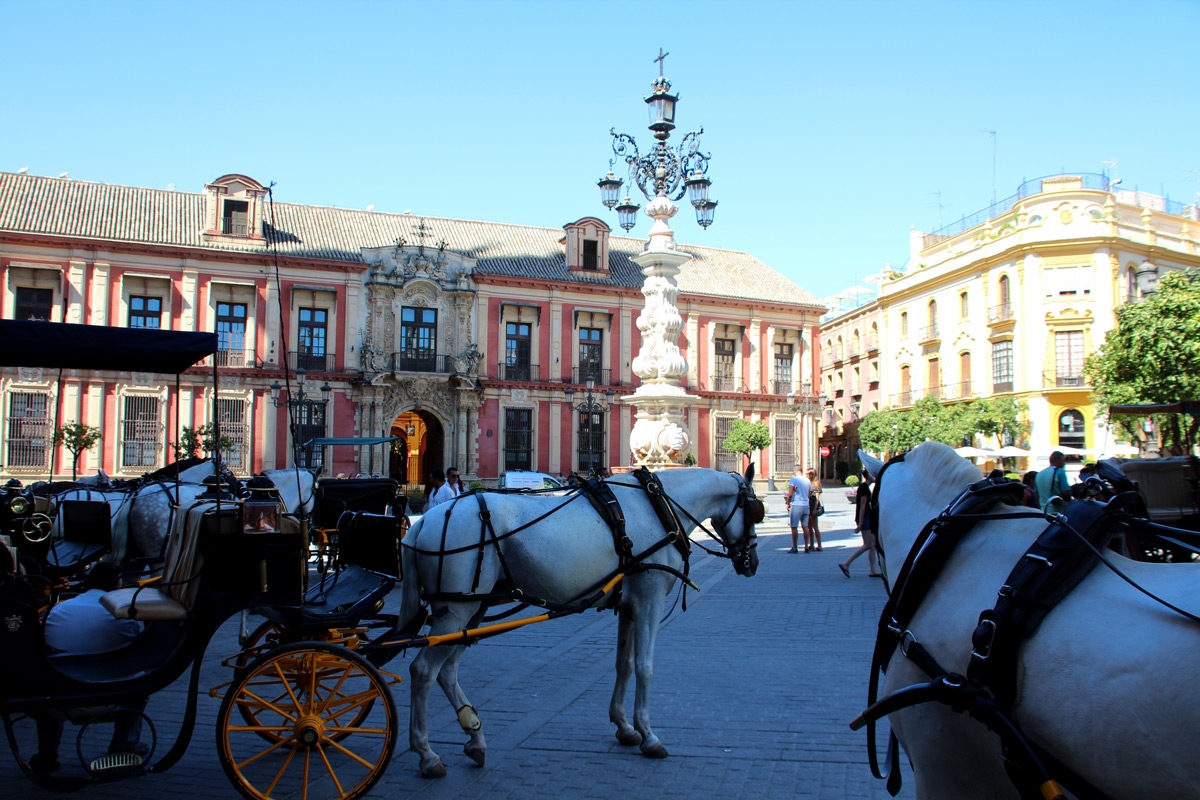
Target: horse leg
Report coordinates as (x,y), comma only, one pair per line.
(476,746)
(424,667)
(626,735)
(645,628)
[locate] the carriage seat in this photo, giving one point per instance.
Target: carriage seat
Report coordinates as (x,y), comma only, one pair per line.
(181,565)
(1167,485)
(86,534)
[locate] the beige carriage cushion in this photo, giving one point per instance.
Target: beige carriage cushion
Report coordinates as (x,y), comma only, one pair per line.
(1165,484)
(150,604)
(182,560)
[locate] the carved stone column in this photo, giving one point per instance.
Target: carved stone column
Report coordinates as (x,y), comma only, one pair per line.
(660,436)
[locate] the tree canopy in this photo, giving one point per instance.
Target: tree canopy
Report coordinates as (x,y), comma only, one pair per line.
(1153,356)
(892,431)
(746,437)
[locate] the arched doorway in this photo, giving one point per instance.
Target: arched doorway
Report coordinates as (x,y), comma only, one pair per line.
(421,448)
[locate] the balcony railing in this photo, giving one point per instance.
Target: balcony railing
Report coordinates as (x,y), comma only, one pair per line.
(956,391)
(523,373)
(602,377)
(928,334)
(1001,386)
(233,358)
(836,353)
(1053,379)
(853,349)
(872,343)
(312,362)
(1000,313)
(783,386)
(724,383)
(421,362)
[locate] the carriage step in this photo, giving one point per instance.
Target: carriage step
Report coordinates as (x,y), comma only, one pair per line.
(116,765)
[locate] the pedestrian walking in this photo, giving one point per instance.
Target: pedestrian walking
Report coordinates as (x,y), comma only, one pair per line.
(812,530)
(797,504)
(863,525)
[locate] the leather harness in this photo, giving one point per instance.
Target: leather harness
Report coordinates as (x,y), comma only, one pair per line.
(1058,560)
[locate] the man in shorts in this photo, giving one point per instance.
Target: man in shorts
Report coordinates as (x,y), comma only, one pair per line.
(797,503)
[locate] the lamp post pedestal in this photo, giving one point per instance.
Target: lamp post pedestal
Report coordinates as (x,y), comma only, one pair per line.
(660,436)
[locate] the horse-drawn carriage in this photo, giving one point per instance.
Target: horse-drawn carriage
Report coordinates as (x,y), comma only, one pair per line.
(308,712)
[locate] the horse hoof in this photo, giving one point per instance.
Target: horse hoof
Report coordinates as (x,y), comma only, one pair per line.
(475,753)
(655,750)
(434,769)
(629,738)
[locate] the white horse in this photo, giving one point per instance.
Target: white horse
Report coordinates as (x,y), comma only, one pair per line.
(1106,685)
(563,558)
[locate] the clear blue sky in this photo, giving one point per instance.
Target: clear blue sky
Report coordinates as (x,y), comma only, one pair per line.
(833,127)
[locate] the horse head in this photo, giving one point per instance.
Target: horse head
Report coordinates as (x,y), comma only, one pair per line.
(737,528)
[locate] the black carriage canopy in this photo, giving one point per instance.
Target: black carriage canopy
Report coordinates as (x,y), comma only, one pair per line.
(1182,407)
(60,345)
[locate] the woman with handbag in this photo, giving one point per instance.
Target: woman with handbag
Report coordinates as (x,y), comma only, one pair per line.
(812,529)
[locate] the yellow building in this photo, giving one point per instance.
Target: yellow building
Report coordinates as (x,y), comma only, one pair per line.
(1010,301)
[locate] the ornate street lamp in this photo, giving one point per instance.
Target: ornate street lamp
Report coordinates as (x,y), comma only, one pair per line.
(665,172)
(305,413)
(299,396)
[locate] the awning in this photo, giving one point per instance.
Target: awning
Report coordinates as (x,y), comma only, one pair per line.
(61,345)
(358,441)
(1182,407)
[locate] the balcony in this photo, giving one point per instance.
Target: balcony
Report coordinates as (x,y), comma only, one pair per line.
(836,353)
(902,399)
(998,387)
(233,359)
(782,386)
(520,373)
(956,391)
(872,343)
(312,362)
(724,383)
(1053,380)
(602,377)
(928,334)
(421,361)
(1000,313)
(853,350)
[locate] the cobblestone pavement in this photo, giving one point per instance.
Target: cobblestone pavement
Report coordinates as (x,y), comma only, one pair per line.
(753,689)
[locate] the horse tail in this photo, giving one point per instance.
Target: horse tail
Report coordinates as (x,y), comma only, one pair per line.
(410,585)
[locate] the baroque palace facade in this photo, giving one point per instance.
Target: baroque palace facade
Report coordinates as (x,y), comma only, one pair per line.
(1008,303)
(461,338)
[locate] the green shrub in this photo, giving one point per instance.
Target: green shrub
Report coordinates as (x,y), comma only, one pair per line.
(476,485)
(851,480)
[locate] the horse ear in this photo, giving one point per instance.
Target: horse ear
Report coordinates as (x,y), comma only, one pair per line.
(749,476)
(870,463)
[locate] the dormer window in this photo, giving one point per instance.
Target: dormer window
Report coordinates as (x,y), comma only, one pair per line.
(234,207)
(587,246)
(235,217)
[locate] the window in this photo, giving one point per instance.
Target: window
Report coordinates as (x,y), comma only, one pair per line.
(783,368)
(234,426)
(418,339)
(933,313)
(591,356)
(1130,284)
(1002,366)
(33,304)
(310,424)
(904,323)
(235,219)
(1068,358)
(231,334)
(905,386)
(141,433)
(27,445)
(726,461)
(312,331)
(724,355)
(1005,292)
(591,442)
(1071,431)
(145,312)
(785,446)
(591,254)
(935,378)
(964,374)
(964,307)
(518,438)
(516,353)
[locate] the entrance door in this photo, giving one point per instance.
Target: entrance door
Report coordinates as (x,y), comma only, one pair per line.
(421,450)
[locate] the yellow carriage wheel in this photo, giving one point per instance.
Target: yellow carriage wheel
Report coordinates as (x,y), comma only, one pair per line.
(323,725)
(268,635)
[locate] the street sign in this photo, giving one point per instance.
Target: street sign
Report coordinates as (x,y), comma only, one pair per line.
(824,452)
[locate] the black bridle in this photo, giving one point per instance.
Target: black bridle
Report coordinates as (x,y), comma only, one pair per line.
(753,512)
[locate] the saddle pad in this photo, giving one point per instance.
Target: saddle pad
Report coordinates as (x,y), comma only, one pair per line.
(150,605)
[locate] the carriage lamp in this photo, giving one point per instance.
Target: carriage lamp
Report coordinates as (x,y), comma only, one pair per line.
(665,173)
